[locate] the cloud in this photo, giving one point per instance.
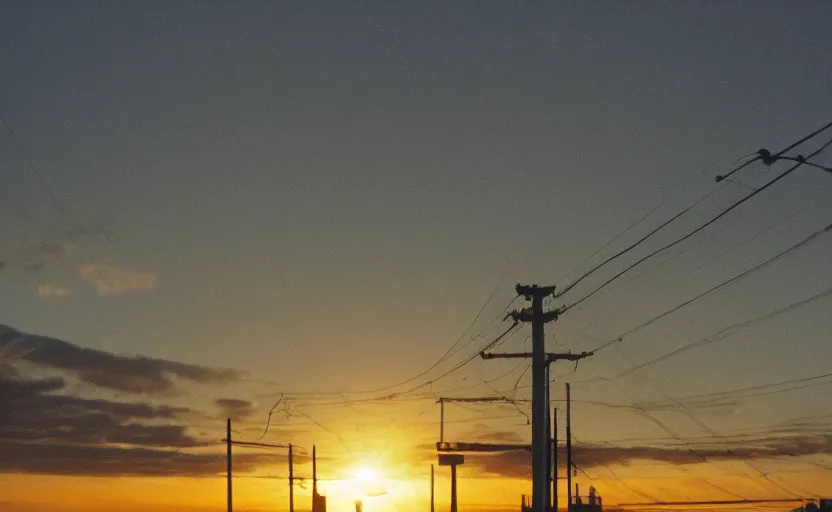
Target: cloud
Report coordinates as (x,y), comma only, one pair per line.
(46,431)
(37,256)
(50,290)
(32,413)
(234,408)
(483,433)
(110,279)
(134,374)
(517,463)
(62,459)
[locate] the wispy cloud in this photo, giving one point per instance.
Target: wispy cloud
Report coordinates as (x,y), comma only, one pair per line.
(234,408)
(50,290)
(111,279)
(37,256)
(47,429)
(134,374)
(766,446)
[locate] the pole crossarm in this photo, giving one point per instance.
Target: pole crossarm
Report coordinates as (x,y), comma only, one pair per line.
(261,445)
(527,315)
(474,399)
(480,447)
(532,291)
(550,357)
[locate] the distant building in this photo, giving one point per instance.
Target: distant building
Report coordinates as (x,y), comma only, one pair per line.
(823,505)
(592,503)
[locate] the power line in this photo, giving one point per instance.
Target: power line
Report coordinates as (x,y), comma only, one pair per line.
(761,155)
(717,287)
(31,165)
(646,215)
(727,332)
(733,206)
(650,233)
(766,157)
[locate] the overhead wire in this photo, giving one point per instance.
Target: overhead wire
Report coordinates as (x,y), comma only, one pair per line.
(693,232)
(761,155)
(31,165)
(731,330)
(650,212)
(809,239)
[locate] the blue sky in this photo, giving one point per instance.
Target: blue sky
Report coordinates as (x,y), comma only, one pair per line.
(324,195)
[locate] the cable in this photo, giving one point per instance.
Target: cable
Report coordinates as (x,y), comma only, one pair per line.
(727,332)
(269,419)
(648,214)
(440,360)
(733,206)
(723,284)
(669,431)
(38,175)
(764,155)
(632,246)
(467,360)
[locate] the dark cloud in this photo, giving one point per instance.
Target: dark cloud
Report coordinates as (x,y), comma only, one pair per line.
(37,256)
(134,374)
(485,434)
(234,408)
(518,463)
(43,430)
(75,227)
(62,459)
(32,412)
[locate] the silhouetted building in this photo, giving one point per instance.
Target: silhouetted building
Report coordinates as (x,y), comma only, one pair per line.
(590,503)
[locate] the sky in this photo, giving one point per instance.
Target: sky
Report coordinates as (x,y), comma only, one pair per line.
(280,212)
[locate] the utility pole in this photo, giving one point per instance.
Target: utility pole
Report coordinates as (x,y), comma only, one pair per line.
(555,460)
(540,406)
(314,480)
(291,482)
(541,429)
(432,490)
(229,442)
(228,460)
(441,420)
(568,448)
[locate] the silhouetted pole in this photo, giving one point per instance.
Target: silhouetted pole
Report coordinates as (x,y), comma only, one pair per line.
(441,420)
(555,460)
(453,488)
(541,437)
(569,448)
(228,458)
(291,482)
(314,480)
(432,490)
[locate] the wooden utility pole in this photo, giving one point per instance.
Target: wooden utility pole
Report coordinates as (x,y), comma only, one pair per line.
(555,460)
(541,428)
(568,449)
(540,408)
(229,442)
(432,490)
(441,420)
(228,460)
(291,482)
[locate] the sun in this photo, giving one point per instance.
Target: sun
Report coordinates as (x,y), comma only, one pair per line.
(369,482)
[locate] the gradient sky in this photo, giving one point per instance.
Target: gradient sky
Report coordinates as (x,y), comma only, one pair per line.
(317,199)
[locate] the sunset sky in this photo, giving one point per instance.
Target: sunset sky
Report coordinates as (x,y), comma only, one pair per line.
(209,208)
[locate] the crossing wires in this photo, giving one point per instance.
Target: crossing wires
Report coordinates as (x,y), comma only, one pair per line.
(693,232)
(763,155)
